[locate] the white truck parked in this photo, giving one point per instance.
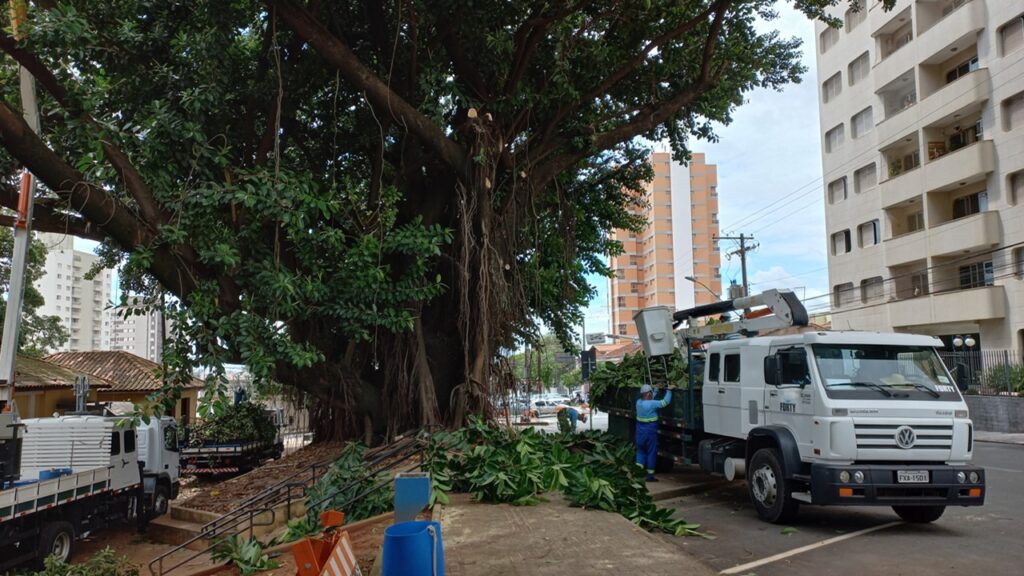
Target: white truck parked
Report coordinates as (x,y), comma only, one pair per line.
(826,418)
(78,475)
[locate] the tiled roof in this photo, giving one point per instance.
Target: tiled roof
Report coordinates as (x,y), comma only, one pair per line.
(125,371)
(38,374)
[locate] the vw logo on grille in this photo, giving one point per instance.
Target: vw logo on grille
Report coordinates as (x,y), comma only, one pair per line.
(905,437)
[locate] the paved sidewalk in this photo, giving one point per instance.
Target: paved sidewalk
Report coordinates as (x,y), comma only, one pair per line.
(553,539)
(998,437)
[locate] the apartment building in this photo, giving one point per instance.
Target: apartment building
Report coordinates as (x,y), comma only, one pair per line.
(922,122)
(682,216)
(79,302)
(137,330)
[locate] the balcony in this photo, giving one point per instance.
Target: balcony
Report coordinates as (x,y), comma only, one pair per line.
(963,94)
(976,232)
(986,303)
(906,248)
(900,188)
(958,28)
(968,164)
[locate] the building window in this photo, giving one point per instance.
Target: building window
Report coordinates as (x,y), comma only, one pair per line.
(634,287)
(1018,263)
(834,139)
(976,275)
(867,234)
(858,69)
(1016,185)
(970,204)
(915,221)
(843,295)
(872,289)
(965,137)
(855,14)
(1011,35)
(828,38)
(832,87)
(919,284)
(621,300)
(865,178)
(841,242)
(1013,112)
(837,190)
(904,163)
(622,329)
(962,69)
(861,123)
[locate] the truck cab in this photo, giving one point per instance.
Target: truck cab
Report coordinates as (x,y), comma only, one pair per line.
(839,418)
(158,452)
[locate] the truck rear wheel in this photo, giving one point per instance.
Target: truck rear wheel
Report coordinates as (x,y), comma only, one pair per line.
(56,539)
(769,490)
(919,514)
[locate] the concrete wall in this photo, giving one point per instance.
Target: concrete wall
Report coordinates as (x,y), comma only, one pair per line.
(997,413)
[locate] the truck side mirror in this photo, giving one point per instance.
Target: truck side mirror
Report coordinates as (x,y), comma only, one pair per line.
(772,370)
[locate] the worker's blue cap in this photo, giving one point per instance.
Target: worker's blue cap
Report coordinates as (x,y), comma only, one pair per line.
(646,388)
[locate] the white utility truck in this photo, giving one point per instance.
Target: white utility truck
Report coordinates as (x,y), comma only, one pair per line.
(78,475)
(820,417)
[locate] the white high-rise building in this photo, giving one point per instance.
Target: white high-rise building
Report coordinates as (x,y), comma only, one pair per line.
(922,122)
(141,334)
(79,302)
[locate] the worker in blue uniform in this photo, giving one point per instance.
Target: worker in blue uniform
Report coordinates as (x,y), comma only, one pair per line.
(647,427)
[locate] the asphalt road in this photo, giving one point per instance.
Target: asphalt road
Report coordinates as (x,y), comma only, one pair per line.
(986,540)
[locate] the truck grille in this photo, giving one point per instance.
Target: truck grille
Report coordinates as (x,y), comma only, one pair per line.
(883,436)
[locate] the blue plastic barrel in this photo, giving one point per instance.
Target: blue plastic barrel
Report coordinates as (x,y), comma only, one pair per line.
(54,473)
(413,549)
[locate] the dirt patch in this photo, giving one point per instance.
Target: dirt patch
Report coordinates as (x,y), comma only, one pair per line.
(214,495)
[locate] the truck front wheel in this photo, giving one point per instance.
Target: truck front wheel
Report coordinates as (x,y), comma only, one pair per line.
(919,514)
(769,490)
(161,499)
(56,539)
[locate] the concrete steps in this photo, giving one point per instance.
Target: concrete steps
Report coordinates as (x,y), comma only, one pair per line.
(180,525)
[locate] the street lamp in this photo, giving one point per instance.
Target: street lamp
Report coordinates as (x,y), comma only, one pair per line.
(961,346)
(703,285)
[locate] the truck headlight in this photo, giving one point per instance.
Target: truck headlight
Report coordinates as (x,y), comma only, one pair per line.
(858,477)
(844,476)
(974,477)
(960,414)
(961,477)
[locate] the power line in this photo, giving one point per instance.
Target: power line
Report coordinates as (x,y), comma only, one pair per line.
(746,221)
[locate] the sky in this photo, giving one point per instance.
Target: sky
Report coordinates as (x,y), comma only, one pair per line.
(769,184)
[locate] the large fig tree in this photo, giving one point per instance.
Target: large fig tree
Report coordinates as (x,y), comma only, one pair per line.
(366,200)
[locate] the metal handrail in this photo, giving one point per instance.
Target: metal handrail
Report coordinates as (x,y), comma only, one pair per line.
(271,497)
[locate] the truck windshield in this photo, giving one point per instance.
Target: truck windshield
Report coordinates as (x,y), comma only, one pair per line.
(877,371)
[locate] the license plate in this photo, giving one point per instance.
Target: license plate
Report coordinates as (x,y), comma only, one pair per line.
(912,476)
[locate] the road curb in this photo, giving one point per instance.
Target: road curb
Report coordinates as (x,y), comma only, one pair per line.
(688,490)
(995,441)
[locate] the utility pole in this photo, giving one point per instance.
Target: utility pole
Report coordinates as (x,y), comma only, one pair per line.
(22,230)
(742,253)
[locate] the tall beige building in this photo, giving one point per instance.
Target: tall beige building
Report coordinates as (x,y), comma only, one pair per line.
(79,302)
(922,122)
(679,241)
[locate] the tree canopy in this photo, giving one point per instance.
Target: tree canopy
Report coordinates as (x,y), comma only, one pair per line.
(366,200)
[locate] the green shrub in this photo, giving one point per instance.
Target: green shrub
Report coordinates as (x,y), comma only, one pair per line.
(104,563)
(1006,378)
(245,553)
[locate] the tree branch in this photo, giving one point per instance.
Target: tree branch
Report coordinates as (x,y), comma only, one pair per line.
(47,218)
(338,54)
(110,216)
